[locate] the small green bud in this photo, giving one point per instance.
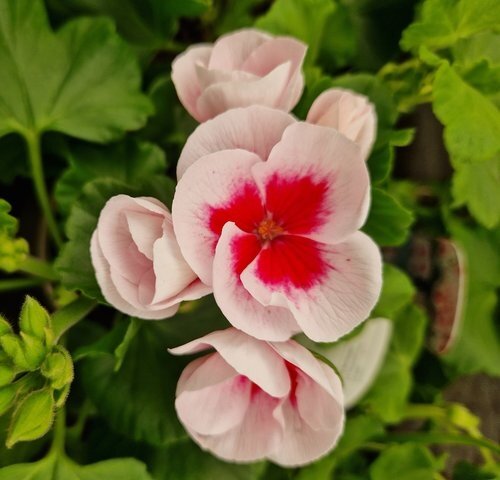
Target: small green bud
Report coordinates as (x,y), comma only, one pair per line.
(34,351)
(7,397)
(13,348)
(4,326)
(58,368)
(34,319)
(7,374)
(60,396)
(32,418)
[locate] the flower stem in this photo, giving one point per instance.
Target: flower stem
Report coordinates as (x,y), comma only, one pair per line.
(19,283)
(70,315)
(58,440)
(35,158)
(38,268)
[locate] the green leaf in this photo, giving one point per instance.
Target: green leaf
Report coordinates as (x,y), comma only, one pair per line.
(130,162)
(389,395)
(91,81)
(303,19)
(32,418)
(411,462)
(34,319)
(74,263)
(388,221)
(472,122)
(397,292)
(7,397)
(186,460)
(148,24)
(148,374)
(56,467)
(476,185)
(444,22)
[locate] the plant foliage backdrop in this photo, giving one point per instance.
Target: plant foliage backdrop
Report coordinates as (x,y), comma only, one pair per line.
(88,111)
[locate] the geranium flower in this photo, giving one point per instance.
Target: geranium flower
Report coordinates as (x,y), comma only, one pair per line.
(137,261)
(276,232)
(247,67)
(252,400)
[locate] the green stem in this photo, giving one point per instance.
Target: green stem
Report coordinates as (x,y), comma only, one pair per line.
(38,268)
(446,438)
(58,440)
(19,283)
(425,412)
(70,315)
(35,159)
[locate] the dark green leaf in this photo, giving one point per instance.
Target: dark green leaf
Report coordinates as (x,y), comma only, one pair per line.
(388,221)
(148,375)
(130,162)
(91,81)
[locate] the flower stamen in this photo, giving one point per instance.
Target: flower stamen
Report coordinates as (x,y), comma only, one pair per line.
(268,229)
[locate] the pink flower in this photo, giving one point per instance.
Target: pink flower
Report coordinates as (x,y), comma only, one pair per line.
(247,67)
(348,112)
(137,261)
(252,400)
(269,216)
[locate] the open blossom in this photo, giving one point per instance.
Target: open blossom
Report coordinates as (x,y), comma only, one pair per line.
(137,261)
(348,112)
(247,67)
(270,219)
(252,400)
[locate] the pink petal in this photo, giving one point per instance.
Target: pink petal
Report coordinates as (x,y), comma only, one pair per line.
(301,443)
(231,50)
(315,183)
(171,270)
(351,114)
(185,78)
(266,91)
(207,77)
(250,357)
(217,189)
(111,294)
(235,250)
(256,129)
(335,302)
(275,52)
(254,439)
(218,406)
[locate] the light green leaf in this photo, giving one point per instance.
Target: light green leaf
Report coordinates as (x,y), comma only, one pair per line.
(130,162)
(408,462)
(477,186)
(34,319)
(303,19)
(388,221)
(397,292)
(32,418)
(55,467)
(444,22)
(472,122)
(91,81)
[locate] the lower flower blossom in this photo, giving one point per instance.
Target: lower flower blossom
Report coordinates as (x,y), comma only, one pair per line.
(252,400)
